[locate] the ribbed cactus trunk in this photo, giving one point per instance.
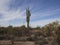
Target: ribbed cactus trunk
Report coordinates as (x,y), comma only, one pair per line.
(28,17)
(28,25)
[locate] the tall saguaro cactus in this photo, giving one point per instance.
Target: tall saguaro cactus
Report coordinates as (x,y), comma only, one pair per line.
(28,14)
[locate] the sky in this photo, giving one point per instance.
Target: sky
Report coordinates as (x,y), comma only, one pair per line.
(13,12)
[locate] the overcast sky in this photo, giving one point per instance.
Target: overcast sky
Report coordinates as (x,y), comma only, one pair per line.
(13,12)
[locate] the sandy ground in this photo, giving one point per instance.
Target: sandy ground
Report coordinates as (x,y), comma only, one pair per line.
(8,42)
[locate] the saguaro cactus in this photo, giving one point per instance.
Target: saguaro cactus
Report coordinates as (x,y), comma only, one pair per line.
(28,14)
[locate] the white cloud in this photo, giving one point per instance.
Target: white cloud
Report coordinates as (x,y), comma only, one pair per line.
(47,12)
(19,14)
(3,5)
(13,15)
(9,15)
(43,22)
